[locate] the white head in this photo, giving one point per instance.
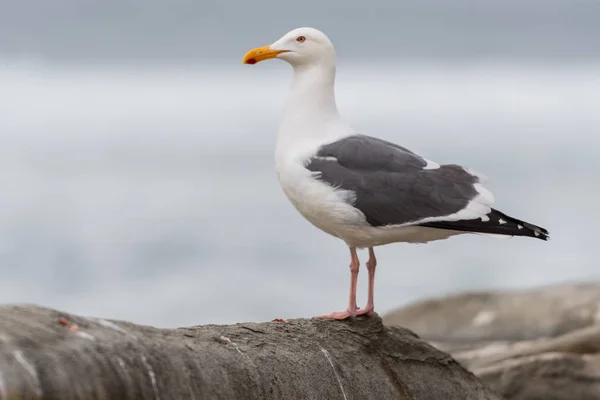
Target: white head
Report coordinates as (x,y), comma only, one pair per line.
(300,47)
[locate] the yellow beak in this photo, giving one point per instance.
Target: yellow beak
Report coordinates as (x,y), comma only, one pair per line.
(260,54)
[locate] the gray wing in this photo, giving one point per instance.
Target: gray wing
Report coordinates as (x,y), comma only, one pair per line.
(390,182)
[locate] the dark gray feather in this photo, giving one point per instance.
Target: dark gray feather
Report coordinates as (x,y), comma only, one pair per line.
(389,181)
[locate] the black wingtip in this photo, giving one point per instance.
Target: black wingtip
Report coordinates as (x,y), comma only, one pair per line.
(497,223)
(538,231)
(544,235)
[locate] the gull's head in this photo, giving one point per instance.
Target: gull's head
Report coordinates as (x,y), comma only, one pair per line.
(300,47)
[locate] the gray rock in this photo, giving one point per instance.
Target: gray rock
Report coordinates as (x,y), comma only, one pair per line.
(46,354)
(546,376)
(526,345)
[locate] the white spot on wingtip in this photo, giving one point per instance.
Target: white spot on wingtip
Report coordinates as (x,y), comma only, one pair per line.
(485,218)
(152,377)
(226,339)
(536,233)
(334,371)
(520,226)
(431,164)
(483,318)
(501,221)
(30,370)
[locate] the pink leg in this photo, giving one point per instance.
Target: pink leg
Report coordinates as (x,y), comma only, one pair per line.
(371,265)
(352,309)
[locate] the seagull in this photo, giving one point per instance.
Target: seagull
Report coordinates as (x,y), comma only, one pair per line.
(363,190)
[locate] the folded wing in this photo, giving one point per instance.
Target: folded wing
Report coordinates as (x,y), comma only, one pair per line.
(394,186)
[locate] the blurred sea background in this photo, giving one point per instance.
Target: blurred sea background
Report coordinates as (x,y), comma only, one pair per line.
(136,158)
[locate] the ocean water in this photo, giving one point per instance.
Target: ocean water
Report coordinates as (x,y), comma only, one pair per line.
(149,193)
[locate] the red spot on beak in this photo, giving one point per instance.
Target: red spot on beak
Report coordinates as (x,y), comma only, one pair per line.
(251,61)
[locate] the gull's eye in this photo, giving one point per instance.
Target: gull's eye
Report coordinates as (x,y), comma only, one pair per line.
(300,39)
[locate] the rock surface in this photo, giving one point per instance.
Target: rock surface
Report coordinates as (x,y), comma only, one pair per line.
(542,343)
(46,354)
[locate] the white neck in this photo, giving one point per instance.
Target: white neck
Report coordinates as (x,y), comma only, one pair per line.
(311,94)
(311,114)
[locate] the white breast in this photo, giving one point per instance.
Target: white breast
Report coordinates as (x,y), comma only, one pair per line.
(328,209)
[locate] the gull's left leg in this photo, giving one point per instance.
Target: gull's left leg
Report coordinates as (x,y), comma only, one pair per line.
(371,265)
(352,309)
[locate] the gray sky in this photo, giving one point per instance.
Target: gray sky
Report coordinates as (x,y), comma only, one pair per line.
(213,30)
